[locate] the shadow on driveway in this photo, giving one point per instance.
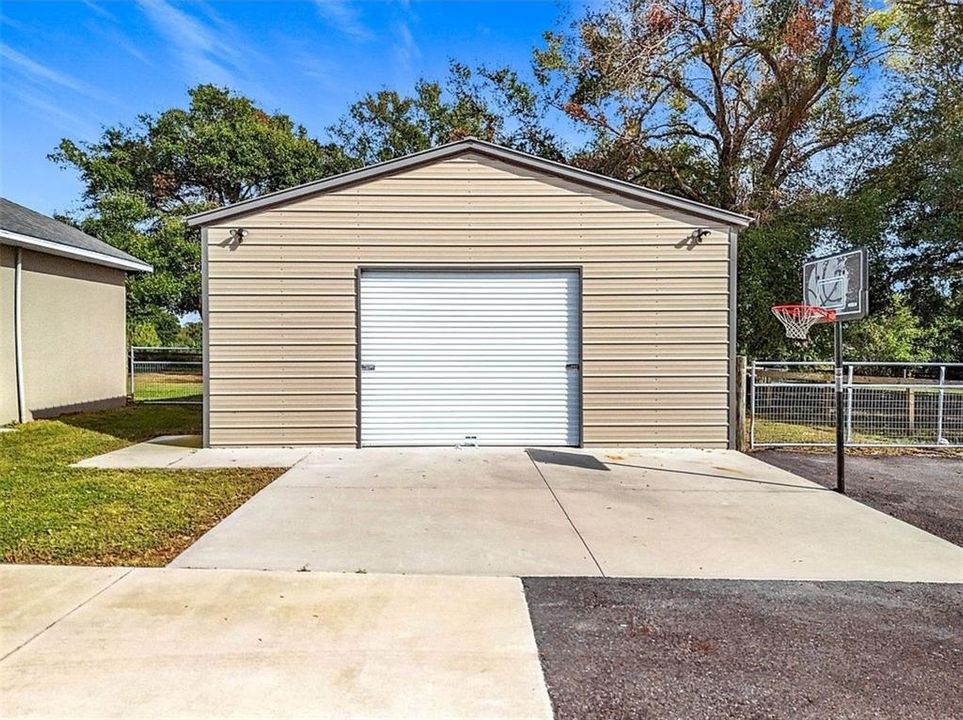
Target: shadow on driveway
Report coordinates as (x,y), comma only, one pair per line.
(717,476)
(568,459)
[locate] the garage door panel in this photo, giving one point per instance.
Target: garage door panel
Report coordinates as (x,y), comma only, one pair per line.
(448,357)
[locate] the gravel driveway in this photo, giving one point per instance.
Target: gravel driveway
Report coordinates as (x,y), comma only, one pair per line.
(925,491)
(621,648)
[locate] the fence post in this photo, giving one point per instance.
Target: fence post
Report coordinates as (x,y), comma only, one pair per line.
(740,381)
(939,406)
(911,409)
(752,406)
(849,406)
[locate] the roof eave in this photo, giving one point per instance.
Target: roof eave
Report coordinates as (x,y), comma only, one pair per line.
(49,247)
(458,147)
(619,187)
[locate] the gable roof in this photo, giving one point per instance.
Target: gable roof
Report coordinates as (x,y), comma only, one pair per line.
(472,145)
(23,227)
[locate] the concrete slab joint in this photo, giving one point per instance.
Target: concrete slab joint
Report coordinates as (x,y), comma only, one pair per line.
(542,512)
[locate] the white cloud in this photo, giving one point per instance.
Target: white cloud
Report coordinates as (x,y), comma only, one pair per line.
(42,74)
(117,39)
(406,49)
(206,56)
(56,114)
(97,9)
(344,18)
(15,24)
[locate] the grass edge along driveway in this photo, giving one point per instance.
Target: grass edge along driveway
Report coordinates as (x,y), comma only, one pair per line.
(53,513)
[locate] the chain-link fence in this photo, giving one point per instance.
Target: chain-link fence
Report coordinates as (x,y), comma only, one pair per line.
(166,375)
(885,404)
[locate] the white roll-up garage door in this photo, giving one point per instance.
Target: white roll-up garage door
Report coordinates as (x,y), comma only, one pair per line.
(449,358)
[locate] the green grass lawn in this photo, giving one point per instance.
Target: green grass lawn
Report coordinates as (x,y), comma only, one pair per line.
(169,386)
(187,394)
(53,513)
(770,431)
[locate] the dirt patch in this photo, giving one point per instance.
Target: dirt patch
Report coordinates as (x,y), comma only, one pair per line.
(923,490)
(629,648)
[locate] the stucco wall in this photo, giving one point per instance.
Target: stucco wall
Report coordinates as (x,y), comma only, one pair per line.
(73,335)
(8,368)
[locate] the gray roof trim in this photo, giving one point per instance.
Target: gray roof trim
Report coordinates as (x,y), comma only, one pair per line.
(23,227)
(514,157)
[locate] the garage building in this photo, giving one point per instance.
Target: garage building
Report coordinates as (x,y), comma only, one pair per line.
(469,294)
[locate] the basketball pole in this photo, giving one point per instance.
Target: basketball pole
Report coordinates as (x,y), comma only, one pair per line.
(840,436)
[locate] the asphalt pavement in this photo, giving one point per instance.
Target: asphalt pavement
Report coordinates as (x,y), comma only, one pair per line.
(658,648)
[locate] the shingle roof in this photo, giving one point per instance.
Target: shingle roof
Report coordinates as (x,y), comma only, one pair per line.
(15,218)
(481,147)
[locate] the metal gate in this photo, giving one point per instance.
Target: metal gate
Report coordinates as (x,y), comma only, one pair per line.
(886,404)
(166,375)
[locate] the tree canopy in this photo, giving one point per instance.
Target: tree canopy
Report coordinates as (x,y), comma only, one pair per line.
(140,182)
(759,107)
(491,105)
(718,100)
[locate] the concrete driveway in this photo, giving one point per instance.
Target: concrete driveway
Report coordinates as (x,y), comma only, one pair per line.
(160,643)
(516,512)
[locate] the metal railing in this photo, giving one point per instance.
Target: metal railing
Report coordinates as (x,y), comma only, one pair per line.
(886,404)
(166,375)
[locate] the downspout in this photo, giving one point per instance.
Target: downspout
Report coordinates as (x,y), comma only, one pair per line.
(18,335)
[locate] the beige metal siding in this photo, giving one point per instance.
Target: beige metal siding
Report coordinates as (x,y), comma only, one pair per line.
(282,303)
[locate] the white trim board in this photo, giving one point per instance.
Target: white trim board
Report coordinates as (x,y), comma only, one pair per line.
(74,253)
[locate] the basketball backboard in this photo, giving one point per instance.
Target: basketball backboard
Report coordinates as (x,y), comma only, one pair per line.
(838,282)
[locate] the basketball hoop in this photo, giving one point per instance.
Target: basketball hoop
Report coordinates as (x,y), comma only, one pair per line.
(798,319)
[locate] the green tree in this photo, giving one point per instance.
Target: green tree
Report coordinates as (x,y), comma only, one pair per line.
(739,105)
(386,124)
(490,105)
(908,206)
(189,334)
(722,101)
(142,333)
(769,273)
(140,182)
(893,334)
(946,329)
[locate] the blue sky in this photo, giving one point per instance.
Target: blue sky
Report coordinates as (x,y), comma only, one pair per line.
(67,69)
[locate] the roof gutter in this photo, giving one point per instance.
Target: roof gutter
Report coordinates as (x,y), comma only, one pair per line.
(53,248)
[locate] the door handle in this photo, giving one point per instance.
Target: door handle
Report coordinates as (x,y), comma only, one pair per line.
(573,366)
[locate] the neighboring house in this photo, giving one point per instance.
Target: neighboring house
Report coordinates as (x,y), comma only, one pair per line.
(62,317)
(469,294)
